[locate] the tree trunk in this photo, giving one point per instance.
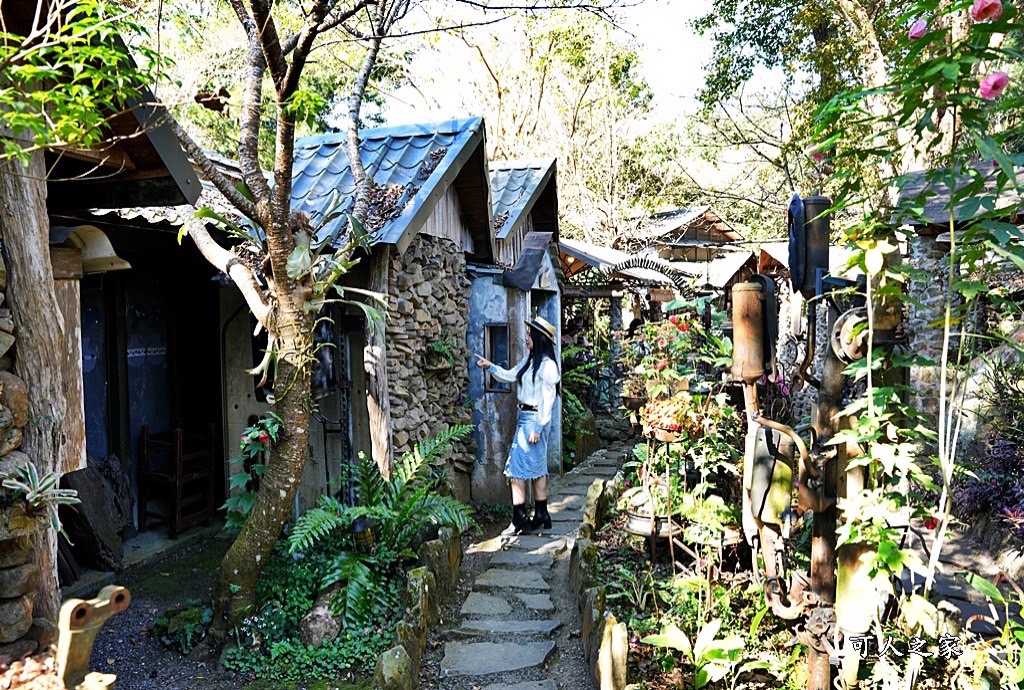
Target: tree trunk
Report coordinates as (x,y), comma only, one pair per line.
(375,359)
(235,593)
(39,325)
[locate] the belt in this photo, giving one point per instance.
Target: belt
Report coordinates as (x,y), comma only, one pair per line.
(528,408)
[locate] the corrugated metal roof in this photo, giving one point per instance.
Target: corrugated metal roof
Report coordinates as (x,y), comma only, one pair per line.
(924,203)
(515,187)
(412,164)
(838,257)
(719,271)
(603,258)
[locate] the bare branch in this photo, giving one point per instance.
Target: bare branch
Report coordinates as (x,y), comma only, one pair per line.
(270,42)
(355,103)
(222,183)
(230,264)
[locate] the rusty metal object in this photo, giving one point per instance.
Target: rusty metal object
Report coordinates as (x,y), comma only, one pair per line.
(80,621)
(850,335)
(817,236)
(748,332)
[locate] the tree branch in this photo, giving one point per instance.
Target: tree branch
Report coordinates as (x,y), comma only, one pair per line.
(230,264)
(270,42)
(355,103)
(215,176)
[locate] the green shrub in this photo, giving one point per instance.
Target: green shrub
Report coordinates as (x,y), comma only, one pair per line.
(183,627)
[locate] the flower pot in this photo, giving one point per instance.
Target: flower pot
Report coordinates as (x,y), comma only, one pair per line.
(660,526)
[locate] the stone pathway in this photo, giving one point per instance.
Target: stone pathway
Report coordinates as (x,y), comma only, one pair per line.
(518,627)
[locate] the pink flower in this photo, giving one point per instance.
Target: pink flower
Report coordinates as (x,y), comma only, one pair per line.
(264,437)
(662,343)
(993,85)
(662,363)
(817,156)
(918,29)
(674,320)
(985,10)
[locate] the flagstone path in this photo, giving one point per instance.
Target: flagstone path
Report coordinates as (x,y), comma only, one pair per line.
(517,625)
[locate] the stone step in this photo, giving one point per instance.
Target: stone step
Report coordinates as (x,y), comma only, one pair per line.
(568,502)
(567,516)
(522,559)
(478,604)
(528,685)
(533,544)
(484,658)
(502,578)
(501,626)
(558,528)
(537,602)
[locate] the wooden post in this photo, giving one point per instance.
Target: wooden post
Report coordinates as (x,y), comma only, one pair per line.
(375,362)
(67,276)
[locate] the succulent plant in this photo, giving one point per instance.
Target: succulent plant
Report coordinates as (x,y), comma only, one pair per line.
(38,493)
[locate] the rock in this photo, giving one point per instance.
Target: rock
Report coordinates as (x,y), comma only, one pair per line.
(567,502)
(15,551)
(6,343)
(592,625)
(21,579)
(13,461)
(3,274)
(521,559)
(121,486)
(453,540)
(533,544)
(17,650)
(478,604)
(6,361)
(395,671)
(536,602)
(512,579)
(508,627)
(401,438)
(434,555)
(422,605)
(528,685)
(582,565)
(318,626)
(481,658)
(414,641)
(422,316)
(11,440)
(610,671)
(14,396)
(6,321)
(43,631)
(15,618)
(92,525)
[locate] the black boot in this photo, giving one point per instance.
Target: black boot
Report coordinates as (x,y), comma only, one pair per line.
(541,516)
(520,521)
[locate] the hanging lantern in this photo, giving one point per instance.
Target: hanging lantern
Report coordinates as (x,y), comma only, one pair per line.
(362,532)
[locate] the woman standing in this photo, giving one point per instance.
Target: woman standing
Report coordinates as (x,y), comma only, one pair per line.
(536,378)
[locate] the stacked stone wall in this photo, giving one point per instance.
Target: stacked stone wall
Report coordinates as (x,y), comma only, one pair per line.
(430,303)
(20,633)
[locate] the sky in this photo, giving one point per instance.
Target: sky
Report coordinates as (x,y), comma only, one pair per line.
(672,58)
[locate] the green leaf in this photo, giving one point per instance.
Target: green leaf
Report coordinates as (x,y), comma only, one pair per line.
(705,638)
(299,261)
(671,637)
(985,587)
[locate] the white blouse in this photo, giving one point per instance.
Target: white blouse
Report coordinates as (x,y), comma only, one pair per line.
(537,391)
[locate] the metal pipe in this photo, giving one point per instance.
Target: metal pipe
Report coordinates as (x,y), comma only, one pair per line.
(803,374)
(754,415)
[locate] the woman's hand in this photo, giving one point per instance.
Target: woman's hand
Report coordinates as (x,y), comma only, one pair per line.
(481,362)
(534,437)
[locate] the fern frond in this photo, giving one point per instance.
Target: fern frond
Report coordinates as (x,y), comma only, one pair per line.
(354,602)
(370,483)
(315,524)
(429,449)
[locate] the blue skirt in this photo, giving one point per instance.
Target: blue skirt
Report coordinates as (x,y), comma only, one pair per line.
(527,460)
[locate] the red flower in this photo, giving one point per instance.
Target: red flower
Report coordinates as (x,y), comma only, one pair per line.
(674,320)
(264,437)
(662,363)
(684,326)
(931,522)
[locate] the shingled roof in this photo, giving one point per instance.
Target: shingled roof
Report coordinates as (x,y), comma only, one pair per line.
(412,167)
(518,186)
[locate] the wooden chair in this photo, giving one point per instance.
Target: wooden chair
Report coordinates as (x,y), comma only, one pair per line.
(178,467)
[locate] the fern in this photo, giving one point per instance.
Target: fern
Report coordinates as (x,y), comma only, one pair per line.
(354,603)
(315,524)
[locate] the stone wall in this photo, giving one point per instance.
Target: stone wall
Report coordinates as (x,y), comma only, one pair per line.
(430,303)
(20,633)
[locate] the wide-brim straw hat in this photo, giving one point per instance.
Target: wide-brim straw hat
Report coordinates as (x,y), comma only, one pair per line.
(544,327)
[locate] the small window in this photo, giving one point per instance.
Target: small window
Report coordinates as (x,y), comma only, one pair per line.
(496,350)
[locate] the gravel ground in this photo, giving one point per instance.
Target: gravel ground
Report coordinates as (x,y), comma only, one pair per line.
(125,646)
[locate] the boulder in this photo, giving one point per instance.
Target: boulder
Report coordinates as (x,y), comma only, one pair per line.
(422,607)
(12,461)
(15,551)
(395,671)
(11,440)
(121,486)
(92,525)
(318,626)
(6,343)
(14,396)
(6,321)
(15,651)
(610,670)
(43,631)
(15,618)
(582,565)
(21,579)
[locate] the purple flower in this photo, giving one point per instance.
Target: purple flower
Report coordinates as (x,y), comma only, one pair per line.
(918,29)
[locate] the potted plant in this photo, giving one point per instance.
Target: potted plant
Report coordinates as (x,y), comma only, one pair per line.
(27,500)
